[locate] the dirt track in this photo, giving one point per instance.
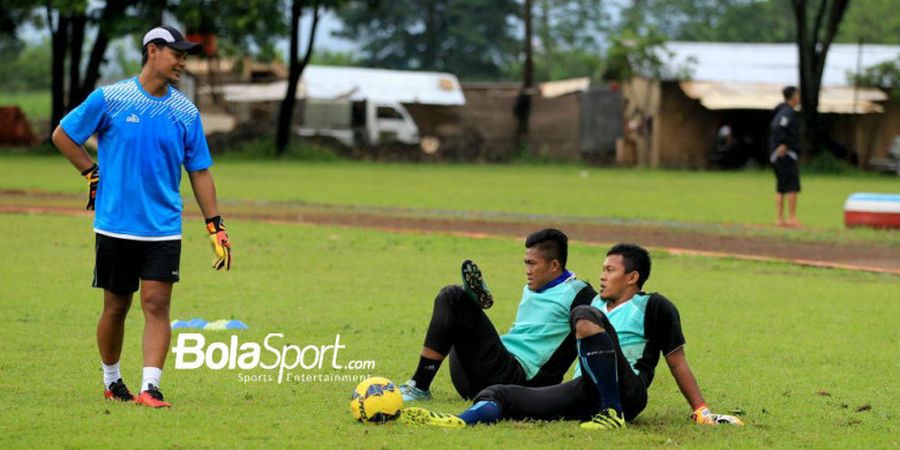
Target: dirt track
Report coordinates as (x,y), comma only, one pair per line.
(867,257)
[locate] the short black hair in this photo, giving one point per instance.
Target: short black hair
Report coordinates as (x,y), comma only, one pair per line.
(554,244)
(634,257)
(789,92)
(159,43)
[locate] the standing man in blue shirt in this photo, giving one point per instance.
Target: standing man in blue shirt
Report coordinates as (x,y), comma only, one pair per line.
(536,351)
(146,131)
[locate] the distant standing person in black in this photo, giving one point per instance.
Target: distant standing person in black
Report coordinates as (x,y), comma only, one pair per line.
(783,135)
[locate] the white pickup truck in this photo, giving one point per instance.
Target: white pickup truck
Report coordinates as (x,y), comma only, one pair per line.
(358,123)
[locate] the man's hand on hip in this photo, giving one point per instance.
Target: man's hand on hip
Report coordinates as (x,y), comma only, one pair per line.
(93,176)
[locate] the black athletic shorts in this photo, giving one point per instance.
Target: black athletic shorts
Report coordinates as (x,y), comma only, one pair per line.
(460,329)
(787,175)
(577,399)
(122,263)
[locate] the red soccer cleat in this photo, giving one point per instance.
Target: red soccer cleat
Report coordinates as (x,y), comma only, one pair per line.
(118,391)
(152,398)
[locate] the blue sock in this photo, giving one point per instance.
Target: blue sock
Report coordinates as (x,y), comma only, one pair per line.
(598,360)
(482,412)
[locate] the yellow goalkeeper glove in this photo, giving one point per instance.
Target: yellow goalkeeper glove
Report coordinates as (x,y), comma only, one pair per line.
(220,244)
(93,176)
(703,416)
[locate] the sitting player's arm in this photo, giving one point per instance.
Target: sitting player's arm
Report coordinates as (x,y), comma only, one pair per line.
(687,383)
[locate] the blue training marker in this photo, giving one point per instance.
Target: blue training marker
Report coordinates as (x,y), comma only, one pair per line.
(236,325)
(197,323)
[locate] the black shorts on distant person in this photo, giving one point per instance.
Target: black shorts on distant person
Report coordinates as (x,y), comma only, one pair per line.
(787,175)
(122,263)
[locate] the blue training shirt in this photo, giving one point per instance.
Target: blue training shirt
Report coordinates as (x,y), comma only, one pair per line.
(143,143)
(542,323)
(647,326)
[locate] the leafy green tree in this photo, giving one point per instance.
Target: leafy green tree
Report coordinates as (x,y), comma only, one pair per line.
(885,76)
(569,34)
(28,71)
(335,58)
(470,38)
(872,21)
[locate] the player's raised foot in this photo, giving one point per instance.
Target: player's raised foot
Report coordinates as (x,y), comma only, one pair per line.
(152,398)
(416,416)
(475,286)
(413,394)
(118,391)
(608,419)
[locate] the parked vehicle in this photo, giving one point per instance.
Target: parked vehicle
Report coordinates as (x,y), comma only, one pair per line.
(358,123)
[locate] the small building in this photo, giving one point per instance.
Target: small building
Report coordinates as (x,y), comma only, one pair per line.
(734,87)
(569,120)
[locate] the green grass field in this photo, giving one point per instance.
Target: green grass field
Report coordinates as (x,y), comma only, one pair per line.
(808,354)
(35,104)
(655,196)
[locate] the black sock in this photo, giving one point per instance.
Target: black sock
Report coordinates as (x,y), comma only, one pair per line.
(425,372)
(598,361)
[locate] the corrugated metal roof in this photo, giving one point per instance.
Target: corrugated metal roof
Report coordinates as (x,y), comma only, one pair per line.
(832,99)
(355,83)
(770,63)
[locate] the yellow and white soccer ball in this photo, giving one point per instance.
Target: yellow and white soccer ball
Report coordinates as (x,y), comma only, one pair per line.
(376,400)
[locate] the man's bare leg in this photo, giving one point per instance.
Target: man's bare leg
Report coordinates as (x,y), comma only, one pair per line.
(779,210)
(792,209)
(111,327)
(155,299)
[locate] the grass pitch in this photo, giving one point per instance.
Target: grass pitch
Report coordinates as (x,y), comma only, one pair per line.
(808,355)
(745,197)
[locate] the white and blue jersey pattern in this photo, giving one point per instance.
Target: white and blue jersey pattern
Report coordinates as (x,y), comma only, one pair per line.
(143,143)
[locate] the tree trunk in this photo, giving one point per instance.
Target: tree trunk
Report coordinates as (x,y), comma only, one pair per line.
(286,113)
(75,43)
(813,42)
(523,102)
(57,67)
(112,11)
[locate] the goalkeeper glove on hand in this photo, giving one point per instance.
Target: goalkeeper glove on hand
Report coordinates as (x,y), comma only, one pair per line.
(704,416)
(220,244)
(93,176)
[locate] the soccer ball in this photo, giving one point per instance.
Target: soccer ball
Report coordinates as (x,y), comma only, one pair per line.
(376,400)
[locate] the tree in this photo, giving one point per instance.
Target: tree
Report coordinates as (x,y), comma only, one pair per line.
(885,76)
(817,25)
(472,39)
(522,107)
(570,38)
(68,21)
(296,66)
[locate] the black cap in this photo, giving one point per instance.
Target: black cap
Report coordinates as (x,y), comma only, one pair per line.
(170,37)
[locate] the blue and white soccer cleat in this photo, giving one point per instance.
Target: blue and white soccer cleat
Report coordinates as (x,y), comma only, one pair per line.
(412,394)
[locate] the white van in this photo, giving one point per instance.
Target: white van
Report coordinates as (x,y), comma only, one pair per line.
(358,123)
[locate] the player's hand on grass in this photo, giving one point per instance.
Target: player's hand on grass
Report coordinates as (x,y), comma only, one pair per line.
(93,176)
(704,416)
(220,244)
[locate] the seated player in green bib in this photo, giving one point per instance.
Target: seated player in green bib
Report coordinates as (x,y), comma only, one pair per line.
(537,350)
(620,337)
